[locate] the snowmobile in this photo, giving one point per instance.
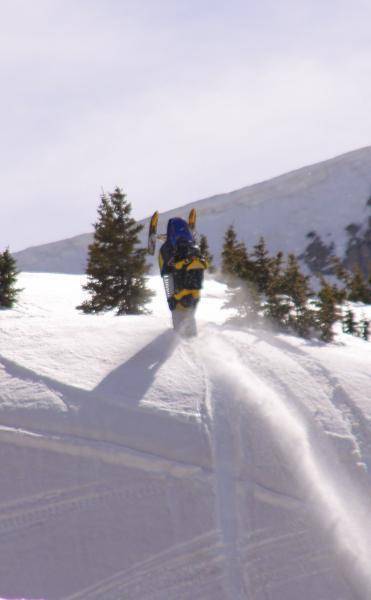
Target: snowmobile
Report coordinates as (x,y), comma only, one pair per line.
(182,268)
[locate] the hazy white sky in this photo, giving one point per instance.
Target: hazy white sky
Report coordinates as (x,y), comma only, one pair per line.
(173,100)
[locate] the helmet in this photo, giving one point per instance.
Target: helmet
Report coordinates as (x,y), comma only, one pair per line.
(178,233)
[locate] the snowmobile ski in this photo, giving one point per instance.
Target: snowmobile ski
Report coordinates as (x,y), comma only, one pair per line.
(152,234)
(192,219)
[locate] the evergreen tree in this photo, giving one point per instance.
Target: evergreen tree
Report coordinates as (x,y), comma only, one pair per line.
(277,307)
(296,287)
(204,248)
(340,293)
(262,266)
(364,329)
(238,268)
(234,254)
(8,280)
(116,266)
(340,271)
(358,289)
(328,312)
(349,323)
(229,251)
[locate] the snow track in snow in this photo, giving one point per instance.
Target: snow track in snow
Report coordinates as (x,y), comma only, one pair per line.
(171,574)
(41,508)
(221,434)
(141,466)
(325,496)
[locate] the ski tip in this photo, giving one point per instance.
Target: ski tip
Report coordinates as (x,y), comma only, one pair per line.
(152,233)
(192,219)
(154,219)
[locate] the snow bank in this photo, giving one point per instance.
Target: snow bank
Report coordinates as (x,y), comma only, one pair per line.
(141,466)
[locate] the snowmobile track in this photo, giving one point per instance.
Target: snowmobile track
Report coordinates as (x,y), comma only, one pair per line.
(171,573)
(217,418)
(43,508)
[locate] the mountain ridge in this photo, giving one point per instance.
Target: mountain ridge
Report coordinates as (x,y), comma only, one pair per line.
(323,198)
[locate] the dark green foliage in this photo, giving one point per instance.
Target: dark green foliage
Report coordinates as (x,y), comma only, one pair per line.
(296,288)
(116,266)
(204,248)
(234,255)
(364,329)
(295,284)
(229,251)
(8,280)
(359,288)
(349,323)
(340,271)
(260,285)
(328,312)
(262,272)
(277,307)
(238,271)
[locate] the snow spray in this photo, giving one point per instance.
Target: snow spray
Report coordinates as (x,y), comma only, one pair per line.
(336,504)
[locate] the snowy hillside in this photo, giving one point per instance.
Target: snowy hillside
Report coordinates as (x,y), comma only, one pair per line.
(139,466)
(304,212)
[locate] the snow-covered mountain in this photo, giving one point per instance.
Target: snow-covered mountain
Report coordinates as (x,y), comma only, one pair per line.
(139,466)
(312,212)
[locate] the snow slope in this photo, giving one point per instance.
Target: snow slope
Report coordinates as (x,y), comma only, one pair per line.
(326,198)
(139,466)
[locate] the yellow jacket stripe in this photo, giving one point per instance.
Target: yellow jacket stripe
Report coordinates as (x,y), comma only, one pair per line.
(196,263)
(182,293)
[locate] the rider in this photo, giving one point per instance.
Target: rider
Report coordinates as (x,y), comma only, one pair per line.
(181,259)
(179,245)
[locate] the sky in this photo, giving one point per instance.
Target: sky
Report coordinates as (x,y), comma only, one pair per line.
(171,100)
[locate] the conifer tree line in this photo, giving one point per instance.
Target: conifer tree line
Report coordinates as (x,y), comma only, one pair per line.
(359,328)
(260,286)
(274,287)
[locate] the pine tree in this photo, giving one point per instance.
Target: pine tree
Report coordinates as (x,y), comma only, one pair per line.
(116,266)
(358,289)
(262,266)
(328,312)
(349,323)
(8,280)
(204,248)
(234,254)
(340,271)
(296,287)
(238,268)
(277,307)
(229,250)
(364,329)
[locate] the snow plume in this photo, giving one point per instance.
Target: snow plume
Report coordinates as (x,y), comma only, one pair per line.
(242,302)
(329,494)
